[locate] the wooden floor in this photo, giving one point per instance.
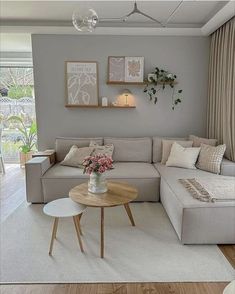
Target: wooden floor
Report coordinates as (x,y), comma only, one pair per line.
(137,288)
(13,194)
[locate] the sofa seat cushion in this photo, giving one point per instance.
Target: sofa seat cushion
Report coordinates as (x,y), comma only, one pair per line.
(59,171)
(133,170)
(194,221)
(58,180)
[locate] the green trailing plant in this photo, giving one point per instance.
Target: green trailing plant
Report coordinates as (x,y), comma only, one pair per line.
(158,81)
(28,132)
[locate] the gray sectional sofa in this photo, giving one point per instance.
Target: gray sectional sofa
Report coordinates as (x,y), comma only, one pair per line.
(137,161)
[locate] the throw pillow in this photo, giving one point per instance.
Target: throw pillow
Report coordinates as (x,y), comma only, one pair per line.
(197,141)
(166,148)
(183,157)
(104,150)
(210,158)
(76,156)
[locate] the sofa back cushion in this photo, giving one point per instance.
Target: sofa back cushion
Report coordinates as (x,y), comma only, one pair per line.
(63,145)
(131,149)
(157,146)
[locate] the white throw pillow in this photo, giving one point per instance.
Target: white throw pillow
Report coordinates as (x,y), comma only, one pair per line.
(183,157)
(76,156)
(166,148)
(104,149)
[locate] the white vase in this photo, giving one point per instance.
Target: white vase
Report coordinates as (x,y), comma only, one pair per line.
(97,183)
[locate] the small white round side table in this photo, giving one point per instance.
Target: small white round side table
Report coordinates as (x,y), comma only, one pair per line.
(65,207)
(230,288)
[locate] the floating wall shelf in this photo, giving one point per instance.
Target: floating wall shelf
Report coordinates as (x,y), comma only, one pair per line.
(98,106)
(138,83)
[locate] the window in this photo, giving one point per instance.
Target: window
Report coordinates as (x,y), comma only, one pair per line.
(16,99)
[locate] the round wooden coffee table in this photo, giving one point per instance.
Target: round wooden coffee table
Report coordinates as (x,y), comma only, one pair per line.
(118,194)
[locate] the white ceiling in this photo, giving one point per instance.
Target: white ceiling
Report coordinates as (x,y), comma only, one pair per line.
(196,12)
(193,17)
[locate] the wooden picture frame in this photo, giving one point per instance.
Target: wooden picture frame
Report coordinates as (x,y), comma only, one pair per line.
(81,83)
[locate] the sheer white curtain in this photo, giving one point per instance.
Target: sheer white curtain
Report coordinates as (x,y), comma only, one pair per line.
(221,91)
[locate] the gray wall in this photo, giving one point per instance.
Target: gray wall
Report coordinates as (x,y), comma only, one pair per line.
(185,56)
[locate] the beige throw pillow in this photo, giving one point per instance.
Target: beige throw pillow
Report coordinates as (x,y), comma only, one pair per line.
(197,141)
(166,148)
(210,158)
(76,156)
(183,157)
(104,149)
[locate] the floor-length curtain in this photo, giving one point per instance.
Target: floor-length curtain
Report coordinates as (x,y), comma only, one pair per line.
(221,91)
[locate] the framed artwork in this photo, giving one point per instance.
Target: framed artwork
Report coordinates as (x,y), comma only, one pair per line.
(125,69)
(134,69)
(116,69)
(81,83)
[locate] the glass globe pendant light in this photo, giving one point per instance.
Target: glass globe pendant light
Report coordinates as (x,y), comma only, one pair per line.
(85,22)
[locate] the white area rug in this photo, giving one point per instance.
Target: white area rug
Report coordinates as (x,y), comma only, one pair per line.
(149,252)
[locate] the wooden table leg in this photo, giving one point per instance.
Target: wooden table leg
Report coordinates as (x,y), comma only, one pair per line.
(102,233)
(56,227)
(78,234)
(128,210)
(78,223)
(53,236)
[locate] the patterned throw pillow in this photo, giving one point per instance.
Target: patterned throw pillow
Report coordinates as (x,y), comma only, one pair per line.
(210,158)
(197,141)
(104,150)
(76,156)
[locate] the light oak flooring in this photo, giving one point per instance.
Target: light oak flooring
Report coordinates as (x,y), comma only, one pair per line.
(13,194)
(137,288)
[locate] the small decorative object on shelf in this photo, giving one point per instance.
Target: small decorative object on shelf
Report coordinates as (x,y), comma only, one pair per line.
(96,166)
(104,101)
(126,93)
(158,80)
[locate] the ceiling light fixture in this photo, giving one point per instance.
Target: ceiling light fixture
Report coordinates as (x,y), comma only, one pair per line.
(89,21)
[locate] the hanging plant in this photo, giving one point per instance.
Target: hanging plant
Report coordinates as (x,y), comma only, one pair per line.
(158,80)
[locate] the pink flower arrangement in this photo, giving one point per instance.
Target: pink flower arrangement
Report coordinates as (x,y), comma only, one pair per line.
(97,164)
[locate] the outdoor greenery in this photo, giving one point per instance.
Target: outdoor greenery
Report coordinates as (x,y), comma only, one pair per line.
(17,92)
(159,80)
(16,82)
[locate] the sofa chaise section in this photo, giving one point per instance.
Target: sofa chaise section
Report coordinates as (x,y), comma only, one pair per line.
(195,222)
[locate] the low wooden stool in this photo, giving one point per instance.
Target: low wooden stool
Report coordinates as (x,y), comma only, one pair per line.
(65,207)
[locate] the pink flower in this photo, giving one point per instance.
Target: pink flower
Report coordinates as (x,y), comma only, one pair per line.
(98,163)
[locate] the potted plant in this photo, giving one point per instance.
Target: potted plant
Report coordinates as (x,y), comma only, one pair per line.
(96,166)
(28,137)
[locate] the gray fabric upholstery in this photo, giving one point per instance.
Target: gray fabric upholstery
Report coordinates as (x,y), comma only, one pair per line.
(60,179)
(195,222)
(227,168)
(157,146)
(131,149)
(63,145)
(34,169)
